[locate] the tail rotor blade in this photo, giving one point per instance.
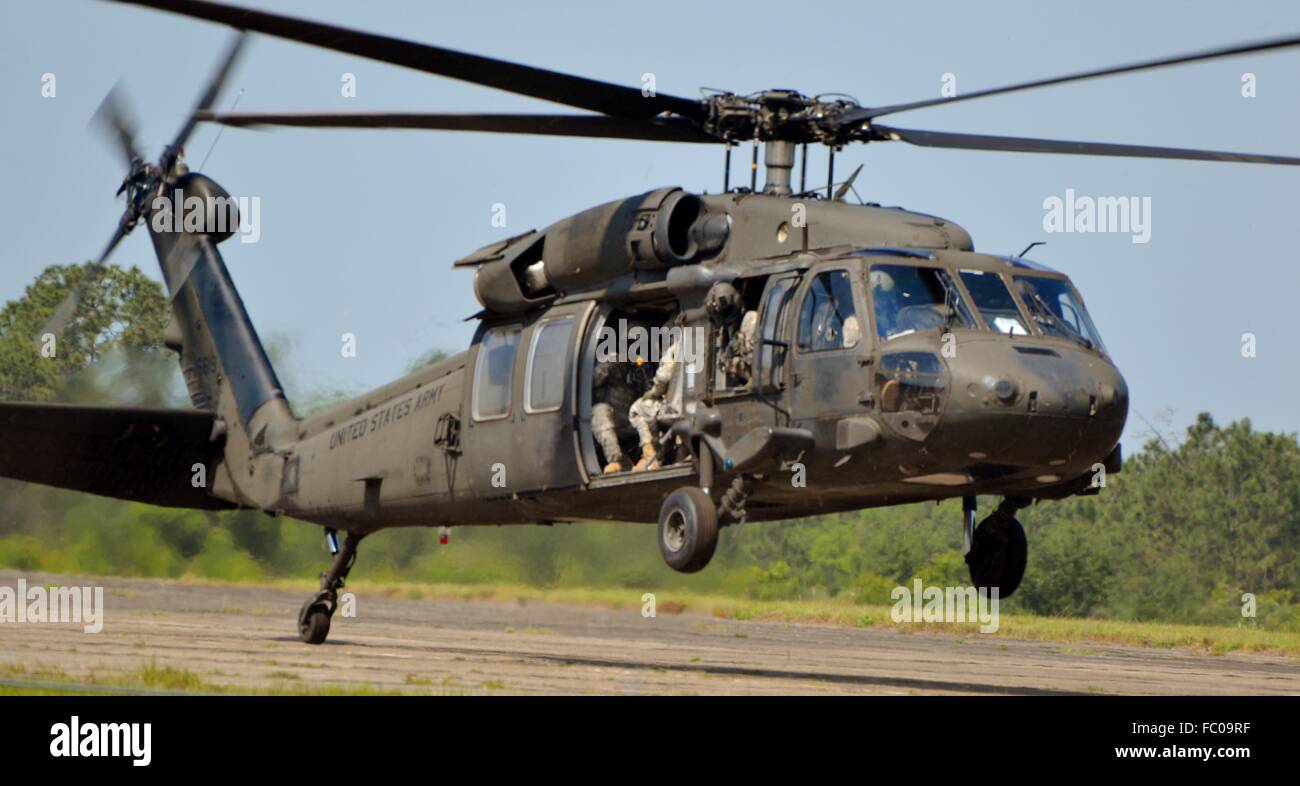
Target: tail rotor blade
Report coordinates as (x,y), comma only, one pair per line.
(185,246)
(65,311)
(115,119)
(62,315)
(205,103)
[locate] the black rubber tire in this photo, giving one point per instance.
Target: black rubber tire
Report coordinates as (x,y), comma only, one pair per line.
(998,555)
(314,622)
(688,519)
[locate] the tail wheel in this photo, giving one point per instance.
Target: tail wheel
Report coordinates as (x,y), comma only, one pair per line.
(314,622)
(688,529)
(998,554)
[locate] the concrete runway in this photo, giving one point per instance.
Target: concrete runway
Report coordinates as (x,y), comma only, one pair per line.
(244,638)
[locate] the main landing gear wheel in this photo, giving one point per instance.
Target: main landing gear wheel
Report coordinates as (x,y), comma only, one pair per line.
(688,529)
(998,554)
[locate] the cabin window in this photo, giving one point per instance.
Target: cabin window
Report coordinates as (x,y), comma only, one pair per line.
(994,302)
(547,370)
(493,372)
(829,319)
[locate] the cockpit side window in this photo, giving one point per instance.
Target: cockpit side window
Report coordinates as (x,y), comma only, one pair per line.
(771,349)
(912,299)
(1057,309)
(829,319)
(994,302)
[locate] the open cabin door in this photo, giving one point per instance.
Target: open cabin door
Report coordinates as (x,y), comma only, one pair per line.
(649,330)
(519,433)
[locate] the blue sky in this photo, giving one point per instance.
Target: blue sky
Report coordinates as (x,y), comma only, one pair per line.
(359,229)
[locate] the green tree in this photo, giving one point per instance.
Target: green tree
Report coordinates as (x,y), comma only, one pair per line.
(118,308)
(427,359)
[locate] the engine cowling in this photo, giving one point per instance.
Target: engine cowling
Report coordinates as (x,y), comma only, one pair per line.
(650,232)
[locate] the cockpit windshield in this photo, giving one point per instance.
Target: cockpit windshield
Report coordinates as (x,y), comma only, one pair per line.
(911,299)
(994,302)
(1057,309)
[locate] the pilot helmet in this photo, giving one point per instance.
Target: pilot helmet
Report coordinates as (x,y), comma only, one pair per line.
(881,281)
(723,303)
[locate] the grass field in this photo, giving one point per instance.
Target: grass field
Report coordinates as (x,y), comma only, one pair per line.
(1216,639)
(160,679)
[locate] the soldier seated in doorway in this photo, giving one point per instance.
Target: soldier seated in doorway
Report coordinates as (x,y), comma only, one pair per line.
(737,331)
(614,390)
(662,398)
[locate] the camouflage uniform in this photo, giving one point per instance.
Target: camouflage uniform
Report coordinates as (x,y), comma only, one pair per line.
(738,357)
(645,411)
(614,394)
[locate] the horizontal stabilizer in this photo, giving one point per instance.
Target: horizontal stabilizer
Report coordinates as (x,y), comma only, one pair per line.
(143,455)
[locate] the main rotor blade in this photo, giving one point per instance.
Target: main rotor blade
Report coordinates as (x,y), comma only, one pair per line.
(603,97)
(115,119)
(661,129)
(1028,145)
(205,102)
(866,113)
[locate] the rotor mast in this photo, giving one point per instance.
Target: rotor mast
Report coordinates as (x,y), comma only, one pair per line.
(778,159)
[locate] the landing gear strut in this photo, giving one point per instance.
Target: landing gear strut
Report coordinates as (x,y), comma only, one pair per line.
(314,618)
(996,550)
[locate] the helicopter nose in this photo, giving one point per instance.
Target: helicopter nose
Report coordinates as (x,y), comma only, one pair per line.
(1019,404)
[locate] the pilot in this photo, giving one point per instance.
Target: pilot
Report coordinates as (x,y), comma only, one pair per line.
(738,331)
(613,392)
(645,411)
(851,331)
(882,293)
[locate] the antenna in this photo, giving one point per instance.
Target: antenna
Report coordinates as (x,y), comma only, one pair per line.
(233,104)
(847,185)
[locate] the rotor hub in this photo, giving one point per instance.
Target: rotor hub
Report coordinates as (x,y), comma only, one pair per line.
(780,116)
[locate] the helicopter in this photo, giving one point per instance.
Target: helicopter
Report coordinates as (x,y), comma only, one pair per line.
(886,362)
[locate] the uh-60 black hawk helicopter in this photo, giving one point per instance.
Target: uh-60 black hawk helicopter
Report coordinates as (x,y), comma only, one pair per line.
(887,359)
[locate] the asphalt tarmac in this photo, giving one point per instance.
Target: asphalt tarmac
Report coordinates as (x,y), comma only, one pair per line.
(243,638)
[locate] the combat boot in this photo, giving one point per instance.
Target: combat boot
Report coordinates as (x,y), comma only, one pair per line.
(649,459)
